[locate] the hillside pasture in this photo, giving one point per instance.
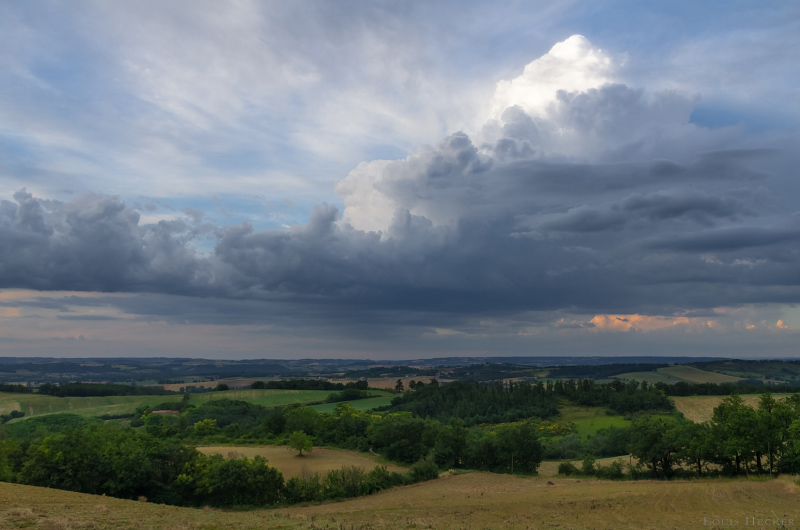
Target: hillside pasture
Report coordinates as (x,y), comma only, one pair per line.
(678,373)
(265,398)
(38,404)
(588,420)
(696,375)
(651,377)
(319,460)
(469,501)
(358,404)
(549,468)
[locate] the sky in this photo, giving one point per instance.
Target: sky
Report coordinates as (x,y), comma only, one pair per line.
(399,180)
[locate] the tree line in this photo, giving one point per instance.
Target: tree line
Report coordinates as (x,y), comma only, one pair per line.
(739,440)
(499,402)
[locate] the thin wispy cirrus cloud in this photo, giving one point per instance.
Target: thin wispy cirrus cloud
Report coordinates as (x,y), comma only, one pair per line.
(383,180)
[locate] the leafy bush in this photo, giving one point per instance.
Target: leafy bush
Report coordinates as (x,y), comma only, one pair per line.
(381,478)
(612,471)
(349,481)
(424,469)
(567,469)
(306,488)
(587,467)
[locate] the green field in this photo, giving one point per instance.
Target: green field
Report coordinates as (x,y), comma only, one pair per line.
(359,404)
(588,420)
(37,405)
(651,377)
(696,375)
(676,374)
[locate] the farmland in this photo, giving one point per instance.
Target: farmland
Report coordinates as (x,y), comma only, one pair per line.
(38,404)
(265,398)
(675,374)
(320,460)
(701,408)
(470,501)
(359,404)
(696,375)
(588,420)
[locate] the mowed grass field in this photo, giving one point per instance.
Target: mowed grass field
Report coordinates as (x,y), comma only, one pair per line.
(320,460)
(37,405)
(359,404)
(469,501)
(701,408)
(588,420)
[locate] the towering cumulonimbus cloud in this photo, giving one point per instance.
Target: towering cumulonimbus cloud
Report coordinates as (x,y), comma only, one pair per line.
(578,193)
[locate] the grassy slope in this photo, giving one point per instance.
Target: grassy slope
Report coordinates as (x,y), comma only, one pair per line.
(36,405)
(359,404)
(319,460)
(471,501)
(674,374)
(588,420)
(266,398)
(650,377)
(695,375)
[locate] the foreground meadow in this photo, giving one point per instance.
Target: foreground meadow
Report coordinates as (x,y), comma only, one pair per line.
(469,501)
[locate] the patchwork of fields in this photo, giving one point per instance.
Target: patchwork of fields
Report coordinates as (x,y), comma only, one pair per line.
(470,501)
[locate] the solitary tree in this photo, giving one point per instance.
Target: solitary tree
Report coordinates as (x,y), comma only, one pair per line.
(398,387)
(300,441)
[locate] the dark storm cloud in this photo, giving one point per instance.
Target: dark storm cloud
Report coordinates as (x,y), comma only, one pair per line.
(676,222)
(729,239)
(93,243)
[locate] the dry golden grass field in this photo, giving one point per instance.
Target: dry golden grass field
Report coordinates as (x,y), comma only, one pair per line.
(549,468)
(320,460)
(701,408)
(471,501)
